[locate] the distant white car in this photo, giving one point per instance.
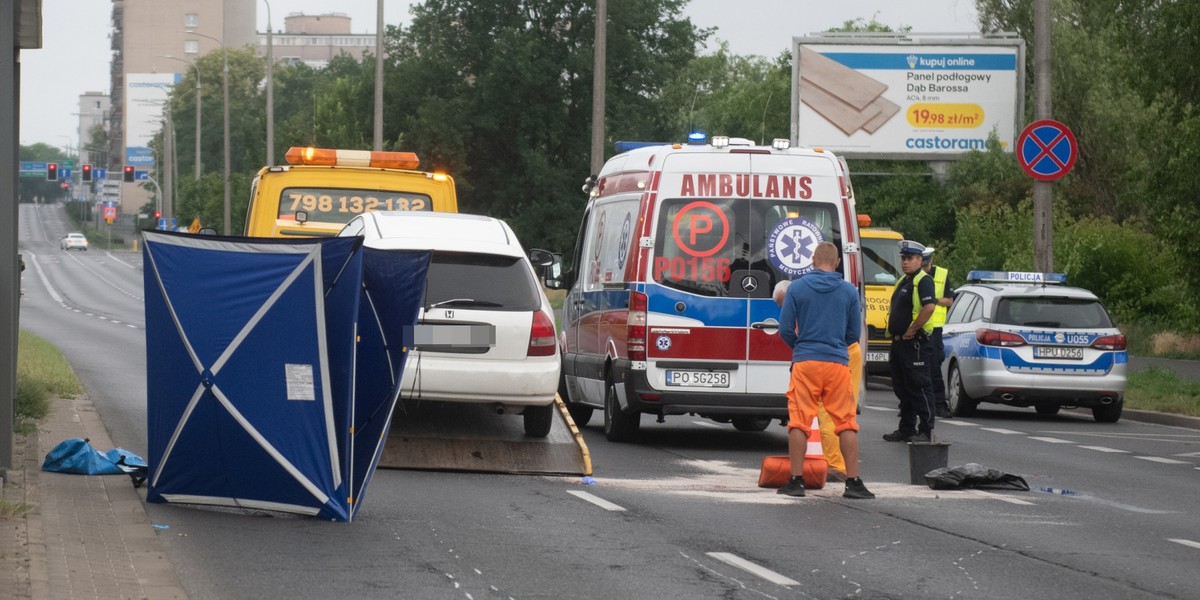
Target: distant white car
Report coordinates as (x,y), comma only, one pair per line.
(74,241)
(485,334)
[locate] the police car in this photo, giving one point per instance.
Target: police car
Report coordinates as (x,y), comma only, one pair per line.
(1026,339)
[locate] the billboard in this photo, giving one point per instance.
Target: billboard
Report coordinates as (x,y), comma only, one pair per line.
(906,98)
(145,95)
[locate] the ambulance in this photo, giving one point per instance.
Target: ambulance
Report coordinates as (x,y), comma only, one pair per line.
(321,189)
(669,308)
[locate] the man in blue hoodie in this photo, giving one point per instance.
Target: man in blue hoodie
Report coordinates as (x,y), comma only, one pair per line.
(820,318)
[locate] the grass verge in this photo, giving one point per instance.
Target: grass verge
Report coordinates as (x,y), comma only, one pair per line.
(42,373)
(1161,390)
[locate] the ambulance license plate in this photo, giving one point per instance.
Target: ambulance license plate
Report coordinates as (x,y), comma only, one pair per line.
(877,357)
(1058,352)
(712,379)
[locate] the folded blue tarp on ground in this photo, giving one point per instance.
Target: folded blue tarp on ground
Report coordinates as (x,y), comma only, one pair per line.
(76,455)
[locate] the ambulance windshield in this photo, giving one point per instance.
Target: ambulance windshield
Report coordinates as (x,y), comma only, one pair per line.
(738,246)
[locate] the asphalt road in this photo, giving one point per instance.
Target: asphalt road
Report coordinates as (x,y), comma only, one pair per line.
(1111,513)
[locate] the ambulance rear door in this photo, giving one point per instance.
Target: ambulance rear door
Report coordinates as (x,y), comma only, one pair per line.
(698,286)
(796,204)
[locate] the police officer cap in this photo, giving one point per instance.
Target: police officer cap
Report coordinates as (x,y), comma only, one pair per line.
(911,247)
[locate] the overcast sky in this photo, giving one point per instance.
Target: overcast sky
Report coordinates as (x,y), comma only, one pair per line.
(75,54)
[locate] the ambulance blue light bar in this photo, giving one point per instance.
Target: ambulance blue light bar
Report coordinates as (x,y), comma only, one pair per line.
(697,138)
(1015,277)
(627,146)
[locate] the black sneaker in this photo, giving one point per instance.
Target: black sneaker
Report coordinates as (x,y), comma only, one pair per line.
(794,487)
(919,438)
(856,490)
(944,413)
(897,436)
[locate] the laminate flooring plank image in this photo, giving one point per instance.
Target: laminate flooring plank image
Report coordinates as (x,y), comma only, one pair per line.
(841,81)
(841,114)
(887,109)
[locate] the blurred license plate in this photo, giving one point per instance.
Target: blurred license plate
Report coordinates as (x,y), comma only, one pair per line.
(1057,352)
(698,378)
(877,357)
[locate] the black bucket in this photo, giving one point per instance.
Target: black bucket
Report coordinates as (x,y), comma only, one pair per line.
(924,457)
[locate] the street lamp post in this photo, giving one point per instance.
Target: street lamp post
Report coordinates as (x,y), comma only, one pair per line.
(197,67)
(225,223)
(270,92)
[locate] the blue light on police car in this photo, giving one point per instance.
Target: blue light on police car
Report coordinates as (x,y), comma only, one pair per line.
(696,138)
(1015,277)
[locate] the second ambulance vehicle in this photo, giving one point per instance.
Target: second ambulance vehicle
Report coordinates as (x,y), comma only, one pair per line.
(669,309)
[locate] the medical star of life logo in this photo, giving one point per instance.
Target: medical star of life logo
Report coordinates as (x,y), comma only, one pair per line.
(792,244)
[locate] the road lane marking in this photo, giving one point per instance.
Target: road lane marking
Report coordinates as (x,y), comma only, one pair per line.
(709,425)
(1159,459)
(601,502)
(1004,431)
(1050,440)
(1105,449)
(752,568)
(1008,499)
(879,408)
(1189,543)
(1189,455)
(957,422)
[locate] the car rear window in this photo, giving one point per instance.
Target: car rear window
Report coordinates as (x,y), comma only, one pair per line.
(480,281)
(1064,313)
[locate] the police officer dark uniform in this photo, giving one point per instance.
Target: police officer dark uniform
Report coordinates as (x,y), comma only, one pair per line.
(912,305)
(943,291)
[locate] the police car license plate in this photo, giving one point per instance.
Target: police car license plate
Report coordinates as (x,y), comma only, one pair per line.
(698,378)
(877,357)
(1057,352)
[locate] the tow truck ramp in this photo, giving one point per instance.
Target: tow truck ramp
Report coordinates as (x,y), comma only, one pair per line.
(446,436)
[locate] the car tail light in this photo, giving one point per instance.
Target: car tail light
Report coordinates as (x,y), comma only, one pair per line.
(991,337)
(541,335)
(1109,342)
(635,326)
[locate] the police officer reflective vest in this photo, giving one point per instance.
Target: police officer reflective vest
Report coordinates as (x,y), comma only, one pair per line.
(916,298)
(940,274)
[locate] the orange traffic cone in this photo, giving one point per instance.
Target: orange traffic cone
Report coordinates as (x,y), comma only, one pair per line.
(815,468)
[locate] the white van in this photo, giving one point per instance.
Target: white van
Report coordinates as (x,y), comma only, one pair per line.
(669,308)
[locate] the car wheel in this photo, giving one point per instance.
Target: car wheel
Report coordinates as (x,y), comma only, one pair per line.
(1108,413)
(956,396)
(751,423)
(538,420)
(1046,409)
(618,426)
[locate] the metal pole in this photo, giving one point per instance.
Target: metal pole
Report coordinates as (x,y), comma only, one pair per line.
(225,223)
(10,275)
(378,145)
(270,92)
(225,85)
(1043,197)
(598,79)
(197,68)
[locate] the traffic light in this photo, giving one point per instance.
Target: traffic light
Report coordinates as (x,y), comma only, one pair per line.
(51,171)
(158,214)
(86,173)
(128,173)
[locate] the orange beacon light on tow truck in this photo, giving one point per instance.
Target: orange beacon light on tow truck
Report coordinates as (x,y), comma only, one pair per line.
(319,190)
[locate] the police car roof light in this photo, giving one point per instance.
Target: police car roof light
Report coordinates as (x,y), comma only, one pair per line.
(720,141)
(329,157)
(781,144)
(696,138)
(1016,277)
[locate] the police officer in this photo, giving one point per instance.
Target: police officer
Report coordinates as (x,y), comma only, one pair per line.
(944,292)
(912,305)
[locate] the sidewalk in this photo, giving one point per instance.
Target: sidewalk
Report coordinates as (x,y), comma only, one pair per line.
(87,536)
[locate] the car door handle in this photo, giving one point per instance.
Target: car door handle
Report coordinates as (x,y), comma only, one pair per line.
(764,325)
